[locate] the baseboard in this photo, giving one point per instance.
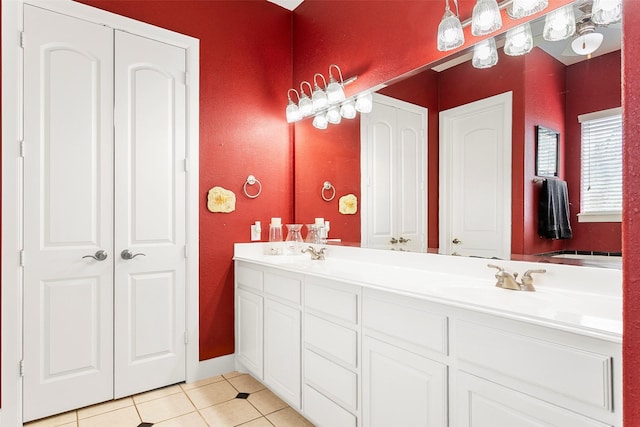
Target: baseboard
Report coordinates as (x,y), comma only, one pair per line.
(212,367)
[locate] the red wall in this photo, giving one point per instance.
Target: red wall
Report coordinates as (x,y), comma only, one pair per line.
(245,71)
(591,86)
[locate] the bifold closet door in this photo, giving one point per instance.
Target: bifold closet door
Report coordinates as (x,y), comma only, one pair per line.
(68,213)
(150,214)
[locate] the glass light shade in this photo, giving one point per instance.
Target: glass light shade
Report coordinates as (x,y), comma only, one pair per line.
(320,121)
(485,18)
(364,102)
(606,12)
(519,40)
(559,24)
(335,93)
(333,116)
(586,44)
(293,112)
(485,54)
(348,109)
(319,98)
(521,8)
(450,35)
(305,105)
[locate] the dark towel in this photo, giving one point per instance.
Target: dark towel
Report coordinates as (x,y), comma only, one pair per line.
(553,210)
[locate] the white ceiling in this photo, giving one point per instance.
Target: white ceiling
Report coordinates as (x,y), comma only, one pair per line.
(287,4)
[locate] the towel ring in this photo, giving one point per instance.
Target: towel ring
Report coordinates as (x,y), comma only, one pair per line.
(328,187)
(251,180)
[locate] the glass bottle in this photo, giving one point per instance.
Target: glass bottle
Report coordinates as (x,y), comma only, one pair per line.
(275,239)
(313,234)
(294,243)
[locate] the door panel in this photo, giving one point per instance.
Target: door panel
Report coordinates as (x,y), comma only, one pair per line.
(68,205)
(475,183)
(150,214)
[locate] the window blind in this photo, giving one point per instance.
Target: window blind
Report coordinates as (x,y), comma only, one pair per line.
(601,179)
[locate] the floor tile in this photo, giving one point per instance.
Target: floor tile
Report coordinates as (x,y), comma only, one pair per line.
(212,394)
(157,393)
(105,407)
(266,402)
(55,421)
(165,408)
(229,414)
(124,417)
(246,383)
(201,383)
(232,374)
(260,422)
(189,420)
(288,418)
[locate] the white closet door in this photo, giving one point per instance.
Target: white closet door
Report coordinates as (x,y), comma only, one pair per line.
(150,214)
(68,205)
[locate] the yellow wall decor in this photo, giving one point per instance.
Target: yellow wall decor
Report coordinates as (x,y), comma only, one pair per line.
(348,204)
(221,200)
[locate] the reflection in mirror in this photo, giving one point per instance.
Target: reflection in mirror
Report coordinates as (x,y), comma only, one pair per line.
(547,142)
(551,86)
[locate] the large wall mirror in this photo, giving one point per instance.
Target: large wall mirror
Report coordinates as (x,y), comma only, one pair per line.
(550,87)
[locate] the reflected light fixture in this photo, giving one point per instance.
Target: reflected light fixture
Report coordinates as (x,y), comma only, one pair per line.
(521,8)
(485,54)
(606,12)
(320,120)
(335,91)
(587,43)
(305,104)
(292,111)
(364,102)
(450,35)
(333,115)
(319,97)
(485,18)
(348,109)
(519,40)
(559,24)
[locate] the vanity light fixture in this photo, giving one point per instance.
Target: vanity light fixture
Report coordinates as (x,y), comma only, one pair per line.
(364,102)
(333,115)
(559,24)
(320,120)
(485,54)
(335,91)
(319,96)
(305,104)
(521,8)
(450,35)
(606,12)
(519,40)
(293,112)
(485,18)
(348,109)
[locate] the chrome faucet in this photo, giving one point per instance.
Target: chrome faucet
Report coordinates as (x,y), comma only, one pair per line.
(510,281)
(315,255)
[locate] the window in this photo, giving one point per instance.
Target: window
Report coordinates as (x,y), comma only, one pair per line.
(601,179)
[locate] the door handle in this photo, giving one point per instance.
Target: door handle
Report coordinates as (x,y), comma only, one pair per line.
(456,241)
(98,256)
(127,254)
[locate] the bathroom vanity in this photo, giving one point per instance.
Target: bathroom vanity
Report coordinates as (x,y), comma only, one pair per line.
(381,338)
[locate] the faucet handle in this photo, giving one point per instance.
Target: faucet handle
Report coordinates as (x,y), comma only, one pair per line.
(529,272)
(500,269)
(527,280)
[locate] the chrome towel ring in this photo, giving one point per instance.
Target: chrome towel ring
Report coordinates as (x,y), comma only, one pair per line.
(251,180)
(328,187)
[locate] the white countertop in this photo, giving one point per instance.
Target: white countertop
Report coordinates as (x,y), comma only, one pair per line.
(580,299)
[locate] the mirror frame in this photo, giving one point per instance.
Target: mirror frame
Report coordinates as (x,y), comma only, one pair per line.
(547,143)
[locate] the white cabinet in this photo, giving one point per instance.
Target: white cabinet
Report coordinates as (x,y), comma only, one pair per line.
(268,328)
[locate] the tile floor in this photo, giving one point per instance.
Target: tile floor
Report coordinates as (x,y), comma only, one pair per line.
(232,399)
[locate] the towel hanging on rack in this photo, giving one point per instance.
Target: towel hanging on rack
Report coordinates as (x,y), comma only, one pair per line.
(553,210)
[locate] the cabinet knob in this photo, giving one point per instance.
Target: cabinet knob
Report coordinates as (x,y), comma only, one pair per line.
(456,241)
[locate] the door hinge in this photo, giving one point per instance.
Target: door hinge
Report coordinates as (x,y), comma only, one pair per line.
(186,251)
(22,39)
(22,148)
(186,337)
(186,165)
(22,368)
(22,258)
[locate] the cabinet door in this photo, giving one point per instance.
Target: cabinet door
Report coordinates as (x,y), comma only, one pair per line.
(481,403)
(282,351)
(249,331)
(400,388)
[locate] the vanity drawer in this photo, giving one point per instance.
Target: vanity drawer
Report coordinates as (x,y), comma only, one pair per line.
(337,382)
(406,319)
(287,287)
(324,412)
(248,278)
(332,339)
(550,367)
(335,299)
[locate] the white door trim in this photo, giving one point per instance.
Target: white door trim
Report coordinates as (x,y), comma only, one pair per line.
(445,167)
(365,179)
(12,105)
